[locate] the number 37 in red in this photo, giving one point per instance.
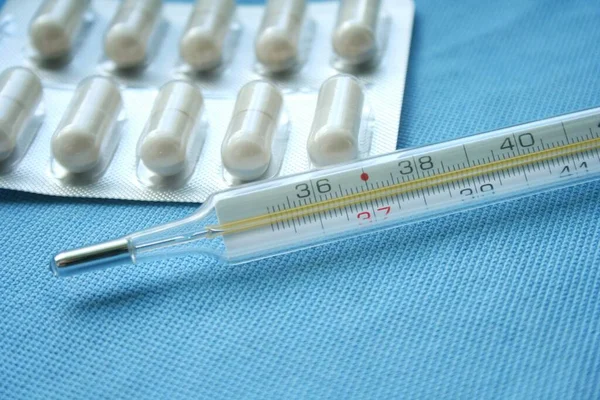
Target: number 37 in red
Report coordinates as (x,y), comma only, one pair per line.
(365,216)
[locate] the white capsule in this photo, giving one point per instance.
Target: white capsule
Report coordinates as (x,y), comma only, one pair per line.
(85,132)
(278,40)
(202,43)
(53,29)
(127,40)
(246,148)
(336,126)
(355,34)
(20,95)
(168,143)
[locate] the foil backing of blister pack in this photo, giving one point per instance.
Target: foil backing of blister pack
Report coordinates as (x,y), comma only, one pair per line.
(384,91)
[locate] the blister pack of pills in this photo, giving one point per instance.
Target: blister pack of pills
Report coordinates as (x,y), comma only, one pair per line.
(145,100)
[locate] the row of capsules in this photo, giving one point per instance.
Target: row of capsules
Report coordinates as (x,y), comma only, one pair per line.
(55,26)
(87,136)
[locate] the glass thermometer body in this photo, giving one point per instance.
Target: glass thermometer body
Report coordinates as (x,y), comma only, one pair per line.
(304,210)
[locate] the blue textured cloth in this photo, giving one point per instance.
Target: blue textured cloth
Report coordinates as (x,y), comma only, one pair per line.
(502,302)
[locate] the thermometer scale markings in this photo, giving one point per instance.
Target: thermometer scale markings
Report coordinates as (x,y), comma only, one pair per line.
(440,187)
(472,191)
(480,176)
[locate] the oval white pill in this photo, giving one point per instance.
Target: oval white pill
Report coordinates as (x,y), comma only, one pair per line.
(127,39)
(201,45)
(85,131)
(355,34)
(53,29)
(20,95)
(168,144)
(336,126)
(246,148)
(277,43)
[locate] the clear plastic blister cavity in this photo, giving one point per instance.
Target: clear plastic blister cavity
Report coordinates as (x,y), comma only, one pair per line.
(341,128)
(172,140)
(256,137)
(21,114)
(210,37)
(88,134)
(360,36)
(57,30)
(133,36)
(284,38)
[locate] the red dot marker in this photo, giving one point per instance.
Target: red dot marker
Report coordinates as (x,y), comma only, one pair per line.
(364,176)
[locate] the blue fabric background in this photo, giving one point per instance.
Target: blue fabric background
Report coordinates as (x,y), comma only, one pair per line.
(503,302)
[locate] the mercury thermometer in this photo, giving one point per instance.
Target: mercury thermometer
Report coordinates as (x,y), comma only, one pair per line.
(296,212)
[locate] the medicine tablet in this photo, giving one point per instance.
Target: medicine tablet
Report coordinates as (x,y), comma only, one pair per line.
(202,43)
(336,126)
(168,143)
(20,95)
(85,131)
(278,39)
(354,37)
(126,41)
(52,31)
(246,148)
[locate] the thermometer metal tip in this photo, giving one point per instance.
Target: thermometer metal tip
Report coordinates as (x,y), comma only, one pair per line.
(97,256)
